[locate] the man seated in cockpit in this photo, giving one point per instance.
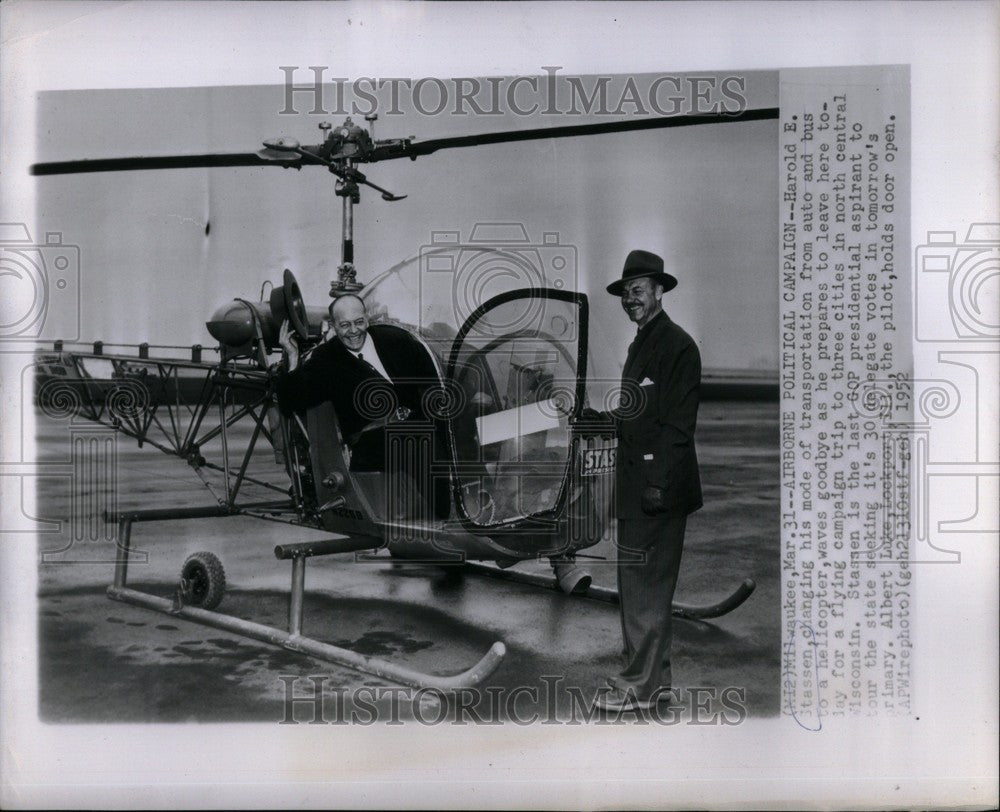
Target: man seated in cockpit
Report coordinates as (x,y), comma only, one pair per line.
(364,371)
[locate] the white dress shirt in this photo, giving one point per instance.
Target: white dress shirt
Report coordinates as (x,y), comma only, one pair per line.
(369,354)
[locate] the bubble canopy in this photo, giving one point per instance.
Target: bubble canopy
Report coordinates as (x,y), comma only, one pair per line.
(513,358)
(516,368)
(437,290)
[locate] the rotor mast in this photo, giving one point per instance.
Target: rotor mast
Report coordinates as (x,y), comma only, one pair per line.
(350,193)
(347,275)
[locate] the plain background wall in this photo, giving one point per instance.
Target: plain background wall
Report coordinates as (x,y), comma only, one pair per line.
(703,197)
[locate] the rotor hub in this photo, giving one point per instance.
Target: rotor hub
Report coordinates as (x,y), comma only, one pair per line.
(346,281)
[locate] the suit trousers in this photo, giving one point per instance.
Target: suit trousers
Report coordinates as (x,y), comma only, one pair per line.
(409,457)
(649,559)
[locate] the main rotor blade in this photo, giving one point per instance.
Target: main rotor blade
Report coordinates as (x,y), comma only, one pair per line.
(211,159)
(408,149)
(386,150)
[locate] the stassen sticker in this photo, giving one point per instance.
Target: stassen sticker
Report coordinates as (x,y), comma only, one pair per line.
(597,461)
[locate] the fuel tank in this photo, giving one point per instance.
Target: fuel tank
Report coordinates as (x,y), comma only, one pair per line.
(237,324)
(233,323)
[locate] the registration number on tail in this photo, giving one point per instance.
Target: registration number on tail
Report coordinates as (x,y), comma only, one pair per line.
(598,461)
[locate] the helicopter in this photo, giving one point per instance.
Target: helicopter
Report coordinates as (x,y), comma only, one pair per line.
(530,474)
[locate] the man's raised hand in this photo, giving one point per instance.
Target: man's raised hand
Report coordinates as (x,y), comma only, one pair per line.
(286,338)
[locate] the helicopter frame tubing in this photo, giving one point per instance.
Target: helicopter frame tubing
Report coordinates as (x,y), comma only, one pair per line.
(142,399)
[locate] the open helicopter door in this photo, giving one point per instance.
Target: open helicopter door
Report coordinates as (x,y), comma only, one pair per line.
(517,373)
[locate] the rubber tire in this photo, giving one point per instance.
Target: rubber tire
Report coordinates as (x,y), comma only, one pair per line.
(204,572)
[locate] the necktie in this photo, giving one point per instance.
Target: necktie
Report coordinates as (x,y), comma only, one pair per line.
(629,357)
(361,358)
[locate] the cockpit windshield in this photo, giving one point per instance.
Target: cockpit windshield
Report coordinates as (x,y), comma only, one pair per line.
(513,348)
(516,385)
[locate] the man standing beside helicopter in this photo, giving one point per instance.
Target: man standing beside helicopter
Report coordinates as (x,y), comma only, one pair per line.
(657,479)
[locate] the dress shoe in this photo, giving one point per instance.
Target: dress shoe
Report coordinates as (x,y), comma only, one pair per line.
(618,699)
(667,696)
(572,579)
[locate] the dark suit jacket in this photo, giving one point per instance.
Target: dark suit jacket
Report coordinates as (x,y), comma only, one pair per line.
(656,439)
(333,373)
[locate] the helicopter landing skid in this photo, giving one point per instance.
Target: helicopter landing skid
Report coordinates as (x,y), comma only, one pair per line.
(683,610)
(293,639)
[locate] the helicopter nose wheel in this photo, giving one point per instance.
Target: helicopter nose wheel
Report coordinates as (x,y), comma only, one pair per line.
(203,580)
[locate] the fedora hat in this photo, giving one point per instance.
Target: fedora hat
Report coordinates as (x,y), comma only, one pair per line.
(639,264)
